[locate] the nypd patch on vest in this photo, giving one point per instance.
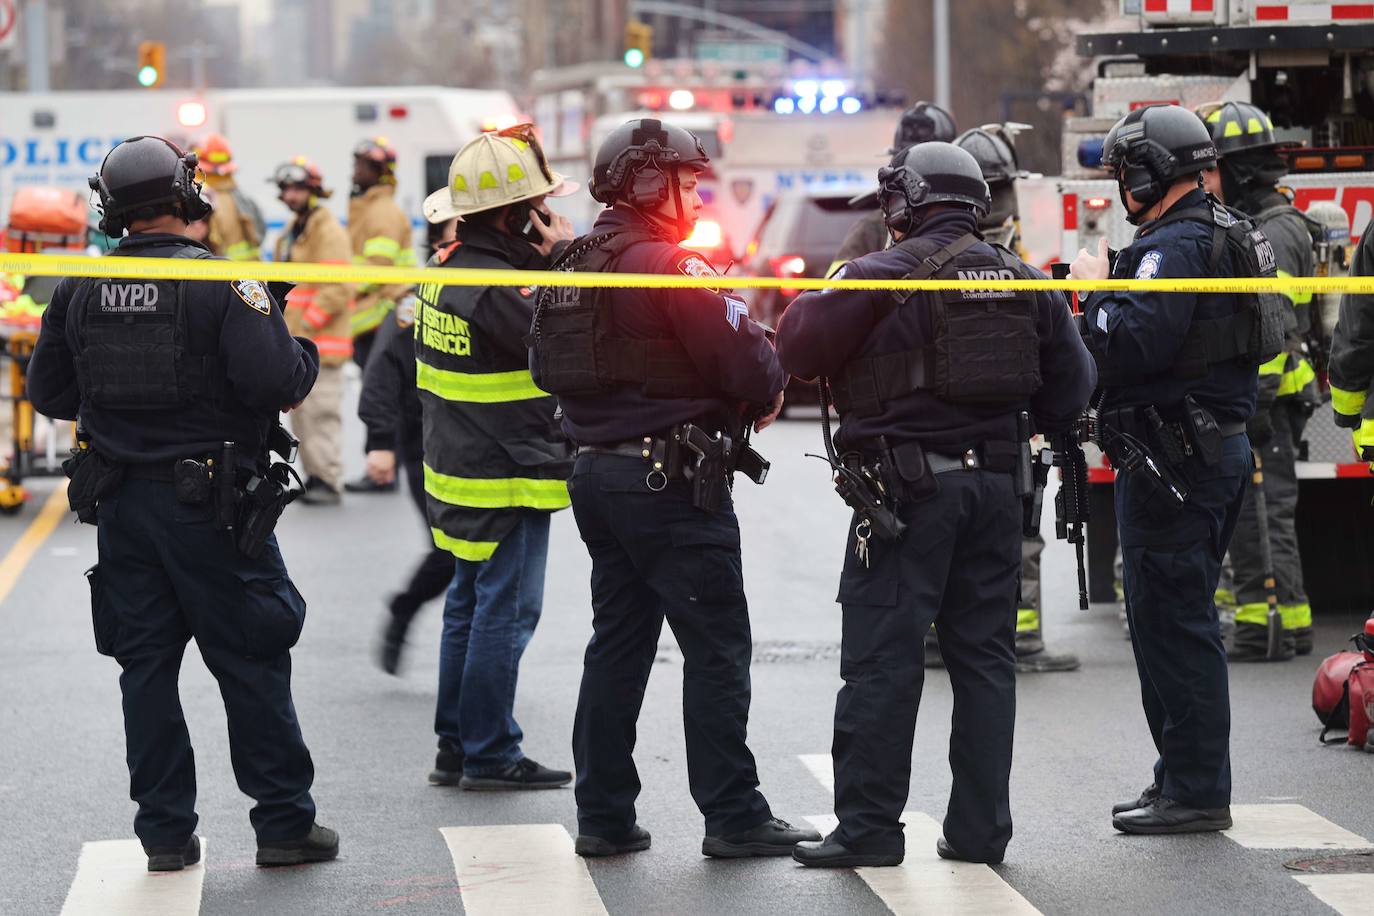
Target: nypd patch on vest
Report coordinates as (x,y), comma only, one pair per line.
(129,297)
(986,273)
(1149,265)
(255,294)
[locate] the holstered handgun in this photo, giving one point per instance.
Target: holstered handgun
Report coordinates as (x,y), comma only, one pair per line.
(265,497)
(710,470)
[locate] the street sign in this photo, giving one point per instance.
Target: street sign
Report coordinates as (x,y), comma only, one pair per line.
(9,17)
(741,51)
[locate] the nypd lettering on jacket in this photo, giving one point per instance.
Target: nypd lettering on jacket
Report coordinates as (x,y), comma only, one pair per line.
(129,297)
(986,273)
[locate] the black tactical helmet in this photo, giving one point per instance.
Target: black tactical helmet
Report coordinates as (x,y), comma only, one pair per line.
(634,163)
(1237,127)
(1152,148)
(929,173)
(995,155)
(142,174)
(922,123)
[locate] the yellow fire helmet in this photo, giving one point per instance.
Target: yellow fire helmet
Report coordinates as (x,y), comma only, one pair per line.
(495,169)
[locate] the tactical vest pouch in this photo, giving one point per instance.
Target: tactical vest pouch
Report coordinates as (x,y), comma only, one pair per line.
(565,338)
(134,340)
(987,347)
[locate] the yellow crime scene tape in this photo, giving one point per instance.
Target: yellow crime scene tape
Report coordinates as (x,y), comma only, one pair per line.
(291,272)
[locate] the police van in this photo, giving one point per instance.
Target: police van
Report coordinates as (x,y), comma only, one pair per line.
(60,138)
(1311,66)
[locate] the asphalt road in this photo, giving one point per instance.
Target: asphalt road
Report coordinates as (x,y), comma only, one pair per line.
(1081,745)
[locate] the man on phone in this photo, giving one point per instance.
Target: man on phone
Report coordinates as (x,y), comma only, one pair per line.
(495,461)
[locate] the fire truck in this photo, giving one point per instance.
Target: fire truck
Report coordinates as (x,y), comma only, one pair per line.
(1310,65)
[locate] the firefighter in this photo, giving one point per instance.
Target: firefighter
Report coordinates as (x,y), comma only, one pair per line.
(946,460)
(237,230)
(1246,179)
(1178,383)
(668,372)
(158,409)
(1351,369)
(495,462)
(380,233)
(921,123)
(320,312)
(992,146)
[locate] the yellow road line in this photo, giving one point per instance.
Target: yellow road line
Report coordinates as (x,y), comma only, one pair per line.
(12,566)
(184,269)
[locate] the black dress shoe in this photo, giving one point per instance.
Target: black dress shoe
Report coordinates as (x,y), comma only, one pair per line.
(173,858)
(831,853)
(365,484)
(1150,794)
(319,845)
(593,847)
(448,765)
(771,838)
(523,774)
(319,493)
(1164,815)
(946,851)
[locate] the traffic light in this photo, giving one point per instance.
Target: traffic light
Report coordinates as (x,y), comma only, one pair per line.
(639,42)
(152,63)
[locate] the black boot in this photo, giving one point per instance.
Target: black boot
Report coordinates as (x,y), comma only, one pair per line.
(831,853)
(1149,795)
(946,851)
(1251,644)
(365,484)
(394,636)
(319,845)
(173,858)
(319,493)
(771,838)
(448,765)
(1164,815)
(593,847)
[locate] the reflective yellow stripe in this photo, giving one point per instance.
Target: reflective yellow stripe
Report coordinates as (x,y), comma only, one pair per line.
(1297,297)
(406,258)
(1224,597)
(1296,379)
(487,388)
(476,551)
(1348,403)
(1275,365)
(496,493)
(241,251)
(1257,612)
(368,319)
(1364,439)
(1027,620)
(1296,615)
(379,246)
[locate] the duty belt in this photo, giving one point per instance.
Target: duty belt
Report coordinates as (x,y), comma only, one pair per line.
(688,452)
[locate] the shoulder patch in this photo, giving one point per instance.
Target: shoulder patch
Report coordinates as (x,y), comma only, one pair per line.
(735,309)
(1149,265)
(254,294)
(696,266)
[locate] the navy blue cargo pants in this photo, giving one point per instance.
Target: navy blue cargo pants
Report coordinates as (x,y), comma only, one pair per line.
(655,556)
(166,575)
(956,566)
(1171,560)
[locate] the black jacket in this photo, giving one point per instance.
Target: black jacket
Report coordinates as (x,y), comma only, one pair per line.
(389,404)
(728,350)
(264,367)
(823,331)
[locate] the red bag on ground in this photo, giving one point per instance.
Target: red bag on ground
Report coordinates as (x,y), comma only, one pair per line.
(1343,691)
(1361,705)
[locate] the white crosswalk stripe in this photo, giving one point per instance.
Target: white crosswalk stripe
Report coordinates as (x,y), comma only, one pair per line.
(925,883)
(1289,827)
(821,767)
(112,879)
(1349,895)
(529,869)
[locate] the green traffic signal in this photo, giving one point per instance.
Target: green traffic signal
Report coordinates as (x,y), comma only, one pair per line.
(147,75)
(634,58)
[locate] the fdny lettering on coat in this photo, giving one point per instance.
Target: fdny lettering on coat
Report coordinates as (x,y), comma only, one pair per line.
(444,332)
(129,297)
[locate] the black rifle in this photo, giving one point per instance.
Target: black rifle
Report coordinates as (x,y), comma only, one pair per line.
(1071,512)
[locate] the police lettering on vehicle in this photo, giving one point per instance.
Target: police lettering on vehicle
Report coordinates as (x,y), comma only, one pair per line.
(253,293)
(129,297)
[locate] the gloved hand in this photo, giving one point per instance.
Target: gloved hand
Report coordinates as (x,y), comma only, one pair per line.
(1260,429)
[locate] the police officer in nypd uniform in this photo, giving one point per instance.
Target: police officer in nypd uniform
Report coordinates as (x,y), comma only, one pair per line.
(162,374)
(1173,379)
(930,388)
(639,375)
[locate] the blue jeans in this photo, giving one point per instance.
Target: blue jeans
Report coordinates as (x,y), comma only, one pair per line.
(489,616)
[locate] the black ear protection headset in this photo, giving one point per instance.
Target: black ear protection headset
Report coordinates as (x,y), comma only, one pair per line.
(184,190)
(902,192)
